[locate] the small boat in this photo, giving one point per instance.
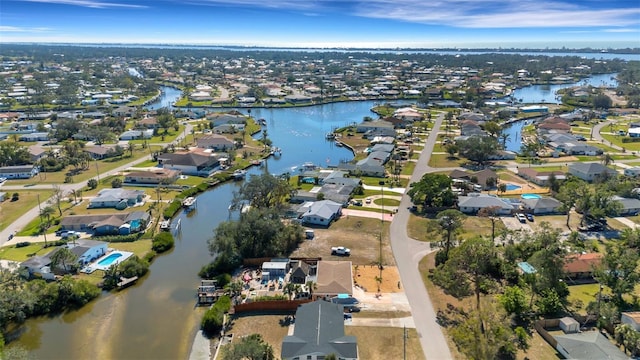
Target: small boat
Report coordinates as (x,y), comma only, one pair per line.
(256,162)
(339,144)
(239,174)
(165,225)
(330,136)
(189,202)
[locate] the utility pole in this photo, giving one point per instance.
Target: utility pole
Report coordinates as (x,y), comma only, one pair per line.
(97,171)
(381,227)
(404,341)
(44,232)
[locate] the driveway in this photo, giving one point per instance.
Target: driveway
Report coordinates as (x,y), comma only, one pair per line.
(512,223)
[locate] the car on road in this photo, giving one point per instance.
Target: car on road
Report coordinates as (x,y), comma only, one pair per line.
(340,251)
(522,218)
(3,179)
(368,201)
(67,233)
(357,203)
(529,217)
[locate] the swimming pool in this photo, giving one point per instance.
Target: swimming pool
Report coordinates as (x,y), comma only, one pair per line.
(113,258)
(513,187)
(530,196)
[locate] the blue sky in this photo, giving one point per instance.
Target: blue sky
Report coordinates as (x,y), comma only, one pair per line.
(327,23)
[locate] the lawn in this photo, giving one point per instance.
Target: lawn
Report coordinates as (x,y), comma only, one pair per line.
(271,327)
(472,226)
(444,161)
(581,295)
(381,343)
(95,169)
(10,211)
(408,167)
(21,254)
(170,136)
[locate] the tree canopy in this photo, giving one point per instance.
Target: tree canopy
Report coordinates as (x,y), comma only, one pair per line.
(478,148)
(432,190)
(263,191)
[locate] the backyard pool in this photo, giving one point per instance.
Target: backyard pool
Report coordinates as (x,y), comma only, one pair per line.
(115,257)
(511,187)
(530,196)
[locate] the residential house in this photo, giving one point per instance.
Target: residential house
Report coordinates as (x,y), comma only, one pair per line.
(148,123)
(632,318)
(629,206)
(632,171)
(581,266)
(36,136)
(37,153)
(485,177)
(322,213)
(228,128)
(543,205)
(376,128)
(338,193)
(218,119)
(155,176)
(85,251)
(215,142)
(475,202)
(338,177)
(19,171)
(333,278)
(540,177)
(124,111)
(590,171)
(364,168)
(300,271)
(319,332)
(107,224)
(588,345)
(116,198)
(190,163)
(100,152)
(136,134)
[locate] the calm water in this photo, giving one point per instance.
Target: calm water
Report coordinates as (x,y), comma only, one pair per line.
(536,94)
(156,318)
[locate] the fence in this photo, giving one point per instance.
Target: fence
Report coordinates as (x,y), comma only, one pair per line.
(275,305)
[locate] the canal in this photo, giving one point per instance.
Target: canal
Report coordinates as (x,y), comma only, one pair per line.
(156,318)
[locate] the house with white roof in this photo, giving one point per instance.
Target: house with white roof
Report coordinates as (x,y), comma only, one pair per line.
(116,198)
(475,202)
(322,213)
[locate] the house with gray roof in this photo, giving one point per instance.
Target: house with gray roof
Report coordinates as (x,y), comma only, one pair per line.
(338,177)
(322,213)
(19,171)
(107,224)
(319,332)
(475,202)
(215,142)
(629,206)
(190,163)
(590,171)
(588,345)
(544,205)
(116,198)
(364,168)
(36,136)
(136,134)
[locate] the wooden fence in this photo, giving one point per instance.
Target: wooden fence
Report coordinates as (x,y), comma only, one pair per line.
(275,305)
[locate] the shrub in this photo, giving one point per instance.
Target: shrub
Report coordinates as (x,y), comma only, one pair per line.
(22,244)
(92,184)
(15,197)
(162,242)
(212,321)
(116,183)
(222,279)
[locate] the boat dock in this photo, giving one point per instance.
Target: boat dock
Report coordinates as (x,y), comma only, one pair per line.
(208,293)
(239,174)
(165,225)
(125,282)
(189,202)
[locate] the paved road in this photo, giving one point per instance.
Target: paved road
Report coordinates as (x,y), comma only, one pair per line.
(31,214)
(408,252)
(596,134)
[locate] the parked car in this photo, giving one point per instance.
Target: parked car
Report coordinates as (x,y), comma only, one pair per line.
(357,203)
(347,316)
(521,218)
(529,217)
(3,179)
(368,201)
(69,233)
(340,251)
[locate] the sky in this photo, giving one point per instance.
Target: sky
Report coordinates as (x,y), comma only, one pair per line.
(327,23)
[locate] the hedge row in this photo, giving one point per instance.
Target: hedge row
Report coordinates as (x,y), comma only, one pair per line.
(213,319)
(175,205)
(120,238)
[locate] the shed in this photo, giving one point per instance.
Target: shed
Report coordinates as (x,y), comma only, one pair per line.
(569,325)
(275,269)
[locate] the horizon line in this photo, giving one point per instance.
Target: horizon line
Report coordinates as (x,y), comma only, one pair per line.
(547,48)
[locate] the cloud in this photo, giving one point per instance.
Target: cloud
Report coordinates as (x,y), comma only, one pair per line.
(90,4)
(500,14)
(16,29)
(622,30)
(295,5)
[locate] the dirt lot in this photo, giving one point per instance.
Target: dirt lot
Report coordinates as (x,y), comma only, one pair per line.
(365,277)
(361,235)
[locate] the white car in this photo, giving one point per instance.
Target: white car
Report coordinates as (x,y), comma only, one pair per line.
(522,218)
(340,251)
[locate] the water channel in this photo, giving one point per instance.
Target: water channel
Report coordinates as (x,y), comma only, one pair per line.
(156,319)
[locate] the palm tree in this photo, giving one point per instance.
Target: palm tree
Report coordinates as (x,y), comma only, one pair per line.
(312,286)
(290,289)
(63,257)
(606,159)
(504,137)
(46,213)
(131,147)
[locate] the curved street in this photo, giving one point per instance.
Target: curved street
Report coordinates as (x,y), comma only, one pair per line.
(408,253)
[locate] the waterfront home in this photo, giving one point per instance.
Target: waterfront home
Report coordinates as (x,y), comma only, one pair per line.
(228,128)
(322,213)
(543,205)
(155,176)
(191,163)
(372,129)
(338,193)
(218,119)
(338,177)
(475,202)
(116,198)
(319,332)
(408,114)
(85,251)
(590,171)
(107,224)
(364,168)
(18,171)
(215,142)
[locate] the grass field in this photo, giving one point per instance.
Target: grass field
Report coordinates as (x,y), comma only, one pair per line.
(382,343)
(444,161)
(472,226)
(12,210)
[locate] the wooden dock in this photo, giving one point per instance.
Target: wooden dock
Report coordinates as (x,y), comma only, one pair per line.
(208,292)
(125,282)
